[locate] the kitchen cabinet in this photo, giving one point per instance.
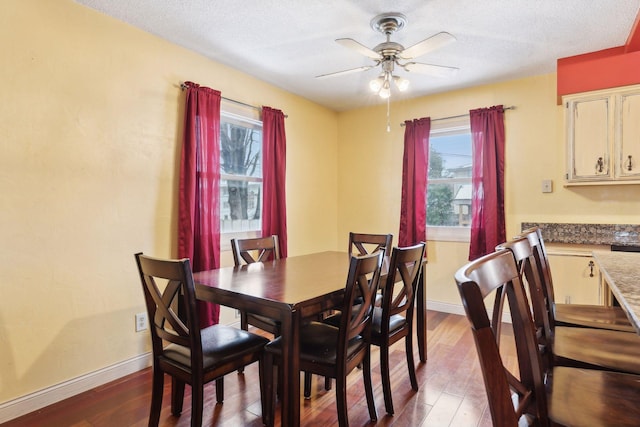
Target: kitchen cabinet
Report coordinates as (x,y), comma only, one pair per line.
(603,136)
(575,279)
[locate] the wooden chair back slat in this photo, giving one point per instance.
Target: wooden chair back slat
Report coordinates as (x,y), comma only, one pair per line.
(260,249)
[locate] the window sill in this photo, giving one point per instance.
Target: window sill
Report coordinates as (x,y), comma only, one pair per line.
(225,238)
(448,234)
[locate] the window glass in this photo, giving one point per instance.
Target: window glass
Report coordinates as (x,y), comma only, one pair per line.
(449,181)
(240,173)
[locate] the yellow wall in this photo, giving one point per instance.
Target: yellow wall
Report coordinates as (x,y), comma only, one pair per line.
(90,120)
(370,168)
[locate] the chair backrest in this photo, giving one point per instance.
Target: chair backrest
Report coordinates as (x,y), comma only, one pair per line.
(369,243)
(362,282)
(478,281)
(259,249)
(527,264)
(402,282)
(534,235)
(167,285)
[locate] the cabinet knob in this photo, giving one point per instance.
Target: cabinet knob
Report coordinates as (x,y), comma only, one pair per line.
(591,266)
(628,164)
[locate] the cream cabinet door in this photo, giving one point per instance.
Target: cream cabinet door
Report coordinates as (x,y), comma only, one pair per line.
(575,280)
(627,162)
(590,134)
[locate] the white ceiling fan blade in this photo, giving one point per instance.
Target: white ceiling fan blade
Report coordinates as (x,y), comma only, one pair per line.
(342,73)
(432,70)
(432,43)
(358,47)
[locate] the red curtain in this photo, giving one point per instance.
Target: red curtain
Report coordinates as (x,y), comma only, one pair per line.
(413,208)
(198,211)
(274,162)
(487,180)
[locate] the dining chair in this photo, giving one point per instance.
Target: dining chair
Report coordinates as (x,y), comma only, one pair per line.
(335,351)
(193,355)
(359,244)
(590,348)
(248,251)
(569,396)
(579,315)
(393,319)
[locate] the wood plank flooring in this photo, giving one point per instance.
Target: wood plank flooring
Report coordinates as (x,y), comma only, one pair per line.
(451,392)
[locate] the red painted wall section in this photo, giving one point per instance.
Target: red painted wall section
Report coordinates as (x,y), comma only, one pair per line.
(614,67)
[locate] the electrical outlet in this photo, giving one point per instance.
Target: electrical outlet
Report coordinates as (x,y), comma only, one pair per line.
(237,314)
(141,322)
(547,186)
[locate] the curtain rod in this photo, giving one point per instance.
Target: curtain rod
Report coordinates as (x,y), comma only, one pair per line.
(513,107)
(184,86)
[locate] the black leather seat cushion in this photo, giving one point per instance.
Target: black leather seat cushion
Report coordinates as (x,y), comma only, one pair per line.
(219,344)
(318,343)
(395,322)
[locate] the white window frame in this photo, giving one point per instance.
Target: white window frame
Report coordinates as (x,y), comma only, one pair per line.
(225,237)
(455,126)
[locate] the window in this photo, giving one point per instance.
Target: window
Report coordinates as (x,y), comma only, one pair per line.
(240,175)
(449,182)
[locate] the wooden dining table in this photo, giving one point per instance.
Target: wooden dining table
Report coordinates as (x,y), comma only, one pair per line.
(620,277)
(289,290)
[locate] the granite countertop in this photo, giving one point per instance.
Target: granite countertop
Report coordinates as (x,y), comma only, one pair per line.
(588,234)
(621,270)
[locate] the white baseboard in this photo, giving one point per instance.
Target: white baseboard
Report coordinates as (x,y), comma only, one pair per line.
(39,399)
(445,307)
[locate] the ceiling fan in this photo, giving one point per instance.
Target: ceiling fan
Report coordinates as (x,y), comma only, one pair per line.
(390,54)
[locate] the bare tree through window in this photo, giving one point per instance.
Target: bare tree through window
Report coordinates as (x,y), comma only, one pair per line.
(241,174)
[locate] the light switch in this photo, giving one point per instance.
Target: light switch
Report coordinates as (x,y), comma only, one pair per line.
(547,186)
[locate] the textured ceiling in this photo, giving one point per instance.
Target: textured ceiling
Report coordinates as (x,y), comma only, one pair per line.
(289,42)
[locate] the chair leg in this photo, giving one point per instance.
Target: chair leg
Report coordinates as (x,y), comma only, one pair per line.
(220,390)
(156,397)
(268,396)
(327,383)
(197,402)
(307,385)
(263,392)
(410,362)
(341,401)
(368,388)
(177,396)
(386,381)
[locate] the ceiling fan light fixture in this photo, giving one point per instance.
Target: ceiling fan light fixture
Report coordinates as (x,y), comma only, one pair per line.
(385,92)
(376,84)
(401,83)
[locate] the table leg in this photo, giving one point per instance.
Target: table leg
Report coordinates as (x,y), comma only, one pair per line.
(421,316)
(290,402)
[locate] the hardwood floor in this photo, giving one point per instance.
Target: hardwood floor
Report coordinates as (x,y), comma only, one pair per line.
(451,392)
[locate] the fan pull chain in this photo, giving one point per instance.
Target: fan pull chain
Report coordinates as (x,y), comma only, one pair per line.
(388,118)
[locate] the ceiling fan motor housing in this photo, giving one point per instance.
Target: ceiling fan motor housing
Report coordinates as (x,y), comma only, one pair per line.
(388,23)
(389,49)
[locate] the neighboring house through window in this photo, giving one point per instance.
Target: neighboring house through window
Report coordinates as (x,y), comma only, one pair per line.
(449,181)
